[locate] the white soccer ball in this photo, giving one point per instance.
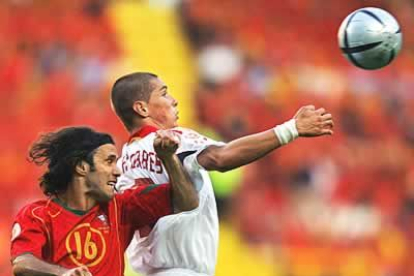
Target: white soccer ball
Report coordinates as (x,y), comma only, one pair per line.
(370,38)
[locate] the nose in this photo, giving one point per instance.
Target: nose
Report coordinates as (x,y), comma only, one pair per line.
(174,101)
(116,171)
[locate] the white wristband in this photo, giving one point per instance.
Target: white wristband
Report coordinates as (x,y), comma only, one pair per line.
(286,132)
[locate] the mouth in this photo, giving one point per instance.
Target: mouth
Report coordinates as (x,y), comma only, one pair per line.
(111,183)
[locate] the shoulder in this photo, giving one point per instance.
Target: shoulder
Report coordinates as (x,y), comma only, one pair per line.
(138,142)
(187,134)
(34,210)
(184,131)
(192,140)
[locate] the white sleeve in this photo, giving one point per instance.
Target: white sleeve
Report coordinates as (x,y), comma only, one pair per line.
(192,141)
(124,183)
(192,144)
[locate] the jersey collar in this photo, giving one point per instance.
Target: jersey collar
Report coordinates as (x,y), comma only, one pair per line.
(142,132)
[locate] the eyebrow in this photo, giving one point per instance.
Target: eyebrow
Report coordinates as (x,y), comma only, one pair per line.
(112,156)
(164,87)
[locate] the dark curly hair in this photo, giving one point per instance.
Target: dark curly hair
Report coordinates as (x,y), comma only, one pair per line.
(128,89)
(62,150)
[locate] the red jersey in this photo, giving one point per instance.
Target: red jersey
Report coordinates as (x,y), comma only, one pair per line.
(97,238)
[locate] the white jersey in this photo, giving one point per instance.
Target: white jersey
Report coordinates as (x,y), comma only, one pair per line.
(184,243)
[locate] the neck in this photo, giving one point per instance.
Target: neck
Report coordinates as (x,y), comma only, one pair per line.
(142,123)
(76,198)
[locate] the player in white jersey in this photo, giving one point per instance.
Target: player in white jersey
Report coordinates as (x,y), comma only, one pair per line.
(186,243)
(176,241)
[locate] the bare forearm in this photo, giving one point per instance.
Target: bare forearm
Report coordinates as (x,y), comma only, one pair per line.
(184,195)
(307,122)
(29,265)
(239,152)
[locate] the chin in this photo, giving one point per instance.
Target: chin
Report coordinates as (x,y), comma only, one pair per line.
(108,196)
(176,123)
(111,194)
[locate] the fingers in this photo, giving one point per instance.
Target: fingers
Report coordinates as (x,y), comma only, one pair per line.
(168,135)
(328,123)
(85,271)
(167,138)
(82,271)
(327,132)
(327,116)
(320,111)
(311,122)
(166,143)
(78,271)
(327,120)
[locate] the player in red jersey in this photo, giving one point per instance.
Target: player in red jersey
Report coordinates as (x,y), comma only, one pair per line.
(83,228)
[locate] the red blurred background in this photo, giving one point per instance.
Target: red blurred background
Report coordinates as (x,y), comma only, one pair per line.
(331,206)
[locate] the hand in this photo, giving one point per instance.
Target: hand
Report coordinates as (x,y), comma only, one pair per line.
(311,122)
(78,271)
(166,143)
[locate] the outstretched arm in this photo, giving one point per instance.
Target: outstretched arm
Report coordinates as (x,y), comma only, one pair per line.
(184,194)
(307,122)
(29,265)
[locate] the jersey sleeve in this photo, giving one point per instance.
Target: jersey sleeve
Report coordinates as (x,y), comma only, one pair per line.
(192,141)
(144,205)
(29,235)
(192,144)
(124,182)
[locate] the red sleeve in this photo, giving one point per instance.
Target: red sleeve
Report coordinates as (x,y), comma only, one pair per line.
(144,205)
(28,233)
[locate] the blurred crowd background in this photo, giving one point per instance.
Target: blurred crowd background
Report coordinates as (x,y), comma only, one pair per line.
(330,206)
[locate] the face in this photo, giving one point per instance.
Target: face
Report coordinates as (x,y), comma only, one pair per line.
(101,179)
(162,106)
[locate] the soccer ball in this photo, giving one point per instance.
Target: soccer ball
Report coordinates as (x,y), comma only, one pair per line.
(370,38)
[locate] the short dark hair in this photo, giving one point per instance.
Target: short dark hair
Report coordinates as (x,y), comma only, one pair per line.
(129,89)
(62,150)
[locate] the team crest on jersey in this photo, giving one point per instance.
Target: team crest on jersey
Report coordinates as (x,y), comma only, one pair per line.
(16,230)
(104,219)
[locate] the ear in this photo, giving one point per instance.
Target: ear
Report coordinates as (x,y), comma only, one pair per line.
(82,168)
(141,108)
